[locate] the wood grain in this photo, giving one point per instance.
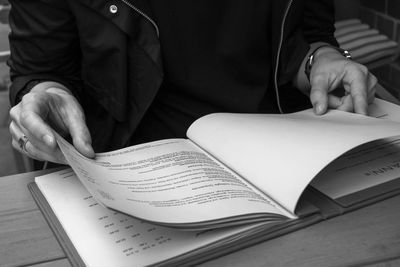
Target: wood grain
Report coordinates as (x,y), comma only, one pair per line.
(25,237)
(14,194)
(365,236)
(389,263)
(56,263)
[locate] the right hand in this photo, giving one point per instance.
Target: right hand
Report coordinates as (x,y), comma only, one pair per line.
(49,107)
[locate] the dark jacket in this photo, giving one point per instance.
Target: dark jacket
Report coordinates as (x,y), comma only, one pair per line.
(108,54)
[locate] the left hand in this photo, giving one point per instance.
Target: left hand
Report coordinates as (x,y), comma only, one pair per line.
(330,71)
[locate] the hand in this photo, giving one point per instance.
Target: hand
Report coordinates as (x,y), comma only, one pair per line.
(47,107)
(330,71)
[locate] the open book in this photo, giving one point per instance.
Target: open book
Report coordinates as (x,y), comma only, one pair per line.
(245,171)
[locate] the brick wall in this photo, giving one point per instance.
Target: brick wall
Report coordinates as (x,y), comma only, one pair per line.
(384,15)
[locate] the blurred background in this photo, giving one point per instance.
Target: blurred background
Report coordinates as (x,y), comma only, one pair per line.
(369,29)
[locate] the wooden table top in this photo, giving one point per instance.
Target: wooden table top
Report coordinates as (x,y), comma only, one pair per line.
(369,236)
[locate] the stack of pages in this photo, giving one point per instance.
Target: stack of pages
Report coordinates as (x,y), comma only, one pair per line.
(237,180)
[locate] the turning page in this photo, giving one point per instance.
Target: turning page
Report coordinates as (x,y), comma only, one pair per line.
(281,154)
(171,182)
(361,168)
(366,166)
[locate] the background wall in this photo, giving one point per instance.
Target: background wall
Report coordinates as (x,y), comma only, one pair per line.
(4,30)
(384,15)
(10,163)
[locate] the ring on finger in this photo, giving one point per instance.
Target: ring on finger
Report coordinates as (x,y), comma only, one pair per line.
(22,141)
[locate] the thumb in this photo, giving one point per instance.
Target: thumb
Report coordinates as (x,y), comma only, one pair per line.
(319,94)
(79,132)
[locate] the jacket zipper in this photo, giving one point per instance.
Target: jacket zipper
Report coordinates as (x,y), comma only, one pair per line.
(279,54)
(126,2)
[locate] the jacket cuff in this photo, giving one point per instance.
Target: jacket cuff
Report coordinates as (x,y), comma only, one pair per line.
(22,85)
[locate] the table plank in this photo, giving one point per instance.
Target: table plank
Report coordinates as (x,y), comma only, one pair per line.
(389,263)
(56,263)
(368,235)
(25,238)
(14,194)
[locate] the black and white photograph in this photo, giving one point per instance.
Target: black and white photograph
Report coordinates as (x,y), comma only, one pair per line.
(199,133)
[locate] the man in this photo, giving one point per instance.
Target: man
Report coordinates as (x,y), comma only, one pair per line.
(116,73)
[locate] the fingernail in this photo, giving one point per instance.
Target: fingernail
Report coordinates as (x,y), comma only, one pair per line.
(320,108)
(89,148)
(48,140)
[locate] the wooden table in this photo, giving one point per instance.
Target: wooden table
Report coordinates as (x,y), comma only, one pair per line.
(369,236)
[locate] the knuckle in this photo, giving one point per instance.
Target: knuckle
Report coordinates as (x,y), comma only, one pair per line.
(374,80)
(349,64)
(363,69)
(28,98)
(11,129)
(357,68)
(14,111)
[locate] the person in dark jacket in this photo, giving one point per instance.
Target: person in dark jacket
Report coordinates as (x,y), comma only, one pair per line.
(115,73)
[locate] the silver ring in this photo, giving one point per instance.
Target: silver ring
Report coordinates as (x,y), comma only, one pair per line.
(22,143)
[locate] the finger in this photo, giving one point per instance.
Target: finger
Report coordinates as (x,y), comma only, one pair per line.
(17,147)
(33,151)
(334,101)
(14,113)
(347,104)
(319,94)
(18,130)
(33,109)
(80,133)
(356,81)
(372,84)
(15,132)
(56,156)
(67,113)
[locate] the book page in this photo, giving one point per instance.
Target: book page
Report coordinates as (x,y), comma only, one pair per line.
(384,110)
(107,238)
(361,168)
(171,182)
(281,154)
(367,166)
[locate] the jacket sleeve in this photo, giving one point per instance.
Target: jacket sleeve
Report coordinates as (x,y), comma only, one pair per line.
(318,21)
(44,45)
(312,22)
